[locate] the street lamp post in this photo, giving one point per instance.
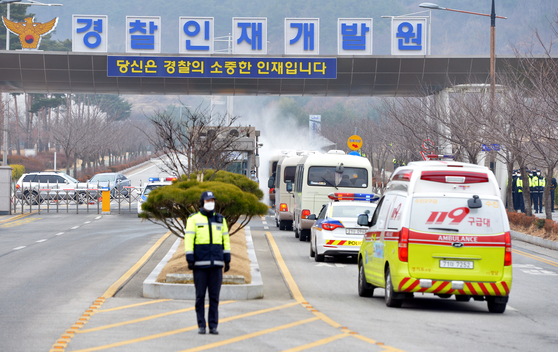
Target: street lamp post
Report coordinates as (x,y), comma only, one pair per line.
(29,3)
(431,6)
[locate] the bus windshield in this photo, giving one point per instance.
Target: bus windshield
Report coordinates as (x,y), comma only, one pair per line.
(325,176)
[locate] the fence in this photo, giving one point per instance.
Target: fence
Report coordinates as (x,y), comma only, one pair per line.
(56,198)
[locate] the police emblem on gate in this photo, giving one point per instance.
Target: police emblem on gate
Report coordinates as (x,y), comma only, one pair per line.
(457,244)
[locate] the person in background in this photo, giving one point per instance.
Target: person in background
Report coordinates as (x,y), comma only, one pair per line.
(208,249)
(540,188)
(552,192)
(515,194)
(521,201)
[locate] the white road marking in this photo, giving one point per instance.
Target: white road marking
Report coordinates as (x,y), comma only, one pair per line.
(264,222)
(87,222)
(508,307)
(59,233)
(75,227)
(266,227)
(339,265)
(98,217)
(142,170)
(539,272)
(325,264)
(18,248)
(39,241)
(530,266)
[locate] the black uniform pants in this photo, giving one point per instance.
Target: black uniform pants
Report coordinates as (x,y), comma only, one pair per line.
(209,279)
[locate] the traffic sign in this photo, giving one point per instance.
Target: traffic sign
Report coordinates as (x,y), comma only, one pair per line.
(354,142)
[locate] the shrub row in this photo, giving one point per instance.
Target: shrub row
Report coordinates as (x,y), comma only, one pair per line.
(30,164)
(88,174)
(519,219)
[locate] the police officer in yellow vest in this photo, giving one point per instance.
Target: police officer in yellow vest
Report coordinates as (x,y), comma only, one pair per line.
(208,249)
(541,184)
(520,201)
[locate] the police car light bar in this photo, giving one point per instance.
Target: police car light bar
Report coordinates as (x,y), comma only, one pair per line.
(367,197)
(154,179)
(171,179)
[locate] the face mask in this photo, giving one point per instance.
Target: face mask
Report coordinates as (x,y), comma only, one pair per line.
(209,206)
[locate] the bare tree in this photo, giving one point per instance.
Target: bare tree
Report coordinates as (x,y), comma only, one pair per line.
(197,140)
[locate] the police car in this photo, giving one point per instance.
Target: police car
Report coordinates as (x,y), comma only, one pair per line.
(336,232)
(154,182)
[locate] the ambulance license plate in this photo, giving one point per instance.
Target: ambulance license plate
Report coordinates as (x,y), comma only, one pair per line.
(456,264)
(355,231)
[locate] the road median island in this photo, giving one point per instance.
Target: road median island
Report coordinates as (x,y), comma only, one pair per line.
(243,264)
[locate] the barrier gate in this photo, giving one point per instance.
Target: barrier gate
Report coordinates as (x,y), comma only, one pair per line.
(26,199)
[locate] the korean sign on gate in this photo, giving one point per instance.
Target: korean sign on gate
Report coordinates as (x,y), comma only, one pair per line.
(221,67)
(408,36)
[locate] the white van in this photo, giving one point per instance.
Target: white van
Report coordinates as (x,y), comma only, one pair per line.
(320,174)
(440,228)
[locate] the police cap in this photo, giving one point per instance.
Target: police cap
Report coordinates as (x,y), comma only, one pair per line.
(207,195)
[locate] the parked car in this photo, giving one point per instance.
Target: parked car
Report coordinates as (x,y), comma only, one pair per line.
(116,183)
(36,187)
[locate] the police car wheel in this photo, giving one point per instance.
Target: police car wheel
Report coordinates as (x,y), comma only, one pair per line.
(494,307)
(390,301)
(319,257)
(312,253)
(364,288)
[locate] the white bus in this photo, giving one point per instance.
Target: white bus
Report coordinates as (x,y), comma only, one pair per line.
(284,200)
(320,174)
(271,180)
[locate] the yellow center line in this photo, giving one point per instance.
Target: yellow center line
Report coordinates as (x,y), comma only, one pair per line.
(127,275)
(18,222)
(139,320)
(298,295)
(249,336)
(17,217)
(532,256)
(317,343)
(133,305)
(373,342)
(190,328)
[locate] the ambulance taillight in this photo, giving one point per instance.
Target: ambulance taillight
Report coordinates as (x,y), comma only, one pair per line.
(404,245)
(508,254)
(305,213)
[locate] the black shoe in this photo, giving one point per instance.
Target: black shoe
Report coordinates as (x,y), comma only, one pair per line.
(201,330)
(213,331)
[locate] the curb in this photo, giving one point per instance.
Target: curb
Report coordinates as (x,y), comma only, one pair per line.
(534,240)
(158,290)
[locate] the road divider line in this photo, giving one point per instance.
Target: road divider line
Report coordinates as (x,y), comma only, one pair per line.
(127,275)
(17,217)
(98,217)
(75,227)
(190,328)
(59,233)
(133,305)
(40,241)
(317,343)
(532,256)
(61,344)
(139,320)
(87,222)
(251,335)
(18,248)
(296,291)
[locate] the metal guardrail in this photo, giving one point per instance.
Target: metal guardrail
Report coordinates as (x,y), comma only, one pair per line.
(57,199)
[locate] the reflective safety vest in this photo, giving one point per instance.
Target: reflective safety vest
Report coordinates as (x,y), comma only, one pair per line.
(519,184)
(206,241)
(542,182)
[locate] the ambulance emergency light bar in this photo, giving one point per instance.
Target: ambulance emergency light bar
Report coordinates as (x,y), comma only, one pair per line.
(157,179)
(368,197)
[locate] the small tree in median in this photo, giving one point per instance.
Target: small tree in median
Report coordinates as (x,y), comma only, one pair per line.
(236,197)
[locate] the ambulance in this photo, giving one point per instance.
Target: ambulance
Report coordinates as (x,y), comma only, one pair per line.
(317,176)
(440,228)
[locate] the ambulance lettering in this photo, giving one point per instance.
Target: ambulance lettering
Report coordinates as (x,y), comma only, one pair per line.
(456,215)
(449,238)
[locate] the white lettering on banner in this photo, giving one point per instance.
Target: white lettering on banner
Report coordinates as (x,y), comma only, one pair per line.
(448,238)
